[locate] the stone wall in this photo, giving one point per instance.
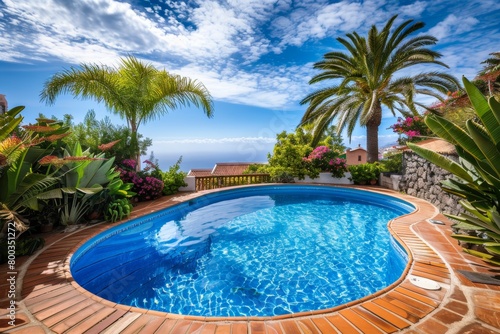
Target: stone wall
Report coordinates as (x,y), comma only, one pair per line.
(422,179)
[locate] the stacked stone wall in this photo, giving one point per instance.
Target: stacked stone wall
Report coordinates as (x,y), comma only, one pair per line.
(422,179)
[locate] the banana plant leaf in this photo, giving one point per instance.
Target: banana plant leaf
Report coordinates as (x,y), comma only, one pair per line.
(468,227)
(485,256)
(493,248)
(483,110)
(453,134)
(468,238)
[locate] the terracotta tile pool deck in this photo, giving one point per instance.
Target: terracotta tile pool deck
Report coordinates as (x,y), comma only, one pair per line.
(48,300)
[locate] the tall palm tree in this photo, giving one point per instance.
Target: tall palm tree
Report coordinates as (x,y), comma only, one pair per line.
(366,80)
(136,91)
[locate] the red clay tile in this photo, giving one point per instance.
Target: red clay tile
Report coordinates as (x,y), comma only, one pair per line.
(108,321)
(273,327)
(323,325)
(376,320)
(208,329)
(160,325)
(431,326)
(239,328)
(409,304)
(447,317)
(289,327)
(257,327)
(397,310)
(307,326)
(223,329)
(457,307)
(28,330)
(476,328)
(360,322)
(386,315)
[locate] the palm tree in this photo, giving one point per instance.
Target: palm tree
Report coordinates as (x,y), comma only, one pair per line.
(491,71)
(367,80)
(136,91)
(492,63)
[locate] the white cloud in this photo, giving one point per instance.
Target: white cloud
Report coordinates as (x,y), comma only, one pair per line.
(452,26)
(413,10)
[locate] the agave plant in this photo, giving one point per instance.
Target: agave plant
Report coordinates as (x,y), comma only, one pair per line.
(477,173)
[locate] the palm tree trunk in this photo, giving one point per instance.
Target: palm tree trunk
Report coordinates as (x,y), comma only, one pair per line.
(134,146)
(372,133)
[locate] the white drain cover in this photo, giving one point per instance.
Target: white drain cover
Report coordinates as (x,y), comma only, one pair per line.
(424,283)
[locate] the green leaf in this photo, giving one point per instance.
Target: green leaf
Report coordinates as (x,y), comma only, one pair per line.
(469,239)
(486,257)
(487,147)
(468,227)
(483,110)
(493,248)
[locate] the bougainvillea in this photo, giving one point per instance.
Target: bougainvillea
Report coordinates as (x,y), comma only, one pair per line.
(326,160)
(413,128)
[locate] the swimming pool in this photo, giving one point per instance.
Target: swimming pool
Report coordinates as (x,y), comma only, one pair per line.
(252,251)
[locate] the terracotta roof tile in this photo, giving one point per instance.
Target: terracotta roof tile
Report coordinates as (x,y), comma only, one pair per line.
(437,145)
(230,168)
(200,172)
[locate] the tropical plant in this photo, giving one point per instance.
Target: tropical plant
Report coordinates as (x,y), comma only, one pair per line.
(22,181)
(392,163)
(172,179)
(364,173)
(477,173)
(118,209)
(82,176)
(413,129)
(369,79)
(9,121)
(323,159)
(136,91)
(92,133)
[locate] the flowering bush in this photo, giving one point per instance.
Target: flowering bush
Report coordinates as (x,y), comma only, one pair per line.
(147,187)
(322,158)
(411,127)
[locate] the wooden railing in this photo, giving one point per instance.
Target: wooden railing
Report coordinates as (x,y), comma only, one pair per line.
(220,181)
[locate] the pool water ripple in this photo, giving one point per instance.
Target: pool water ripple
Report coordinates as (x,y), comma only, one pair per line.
(263,252)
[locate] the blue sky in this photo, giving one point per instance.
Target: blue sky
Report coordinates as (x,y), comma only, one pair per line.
(255,57)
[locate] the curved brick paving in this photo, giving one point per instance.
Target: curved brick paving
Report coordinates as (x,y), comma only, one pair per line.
(50,301)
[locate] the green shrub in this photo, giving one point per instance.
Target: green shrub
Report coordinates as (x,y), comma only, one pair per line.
(173,178)
(392,163)
(363,173)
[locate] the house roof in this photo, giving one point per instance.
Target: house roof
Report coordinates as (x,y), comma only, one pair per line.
(437,145)
(355,149)
(230,168)
(200,172)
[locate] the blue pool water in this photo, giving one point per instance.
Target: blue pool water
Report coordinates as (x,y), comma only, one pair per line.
(256,251)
